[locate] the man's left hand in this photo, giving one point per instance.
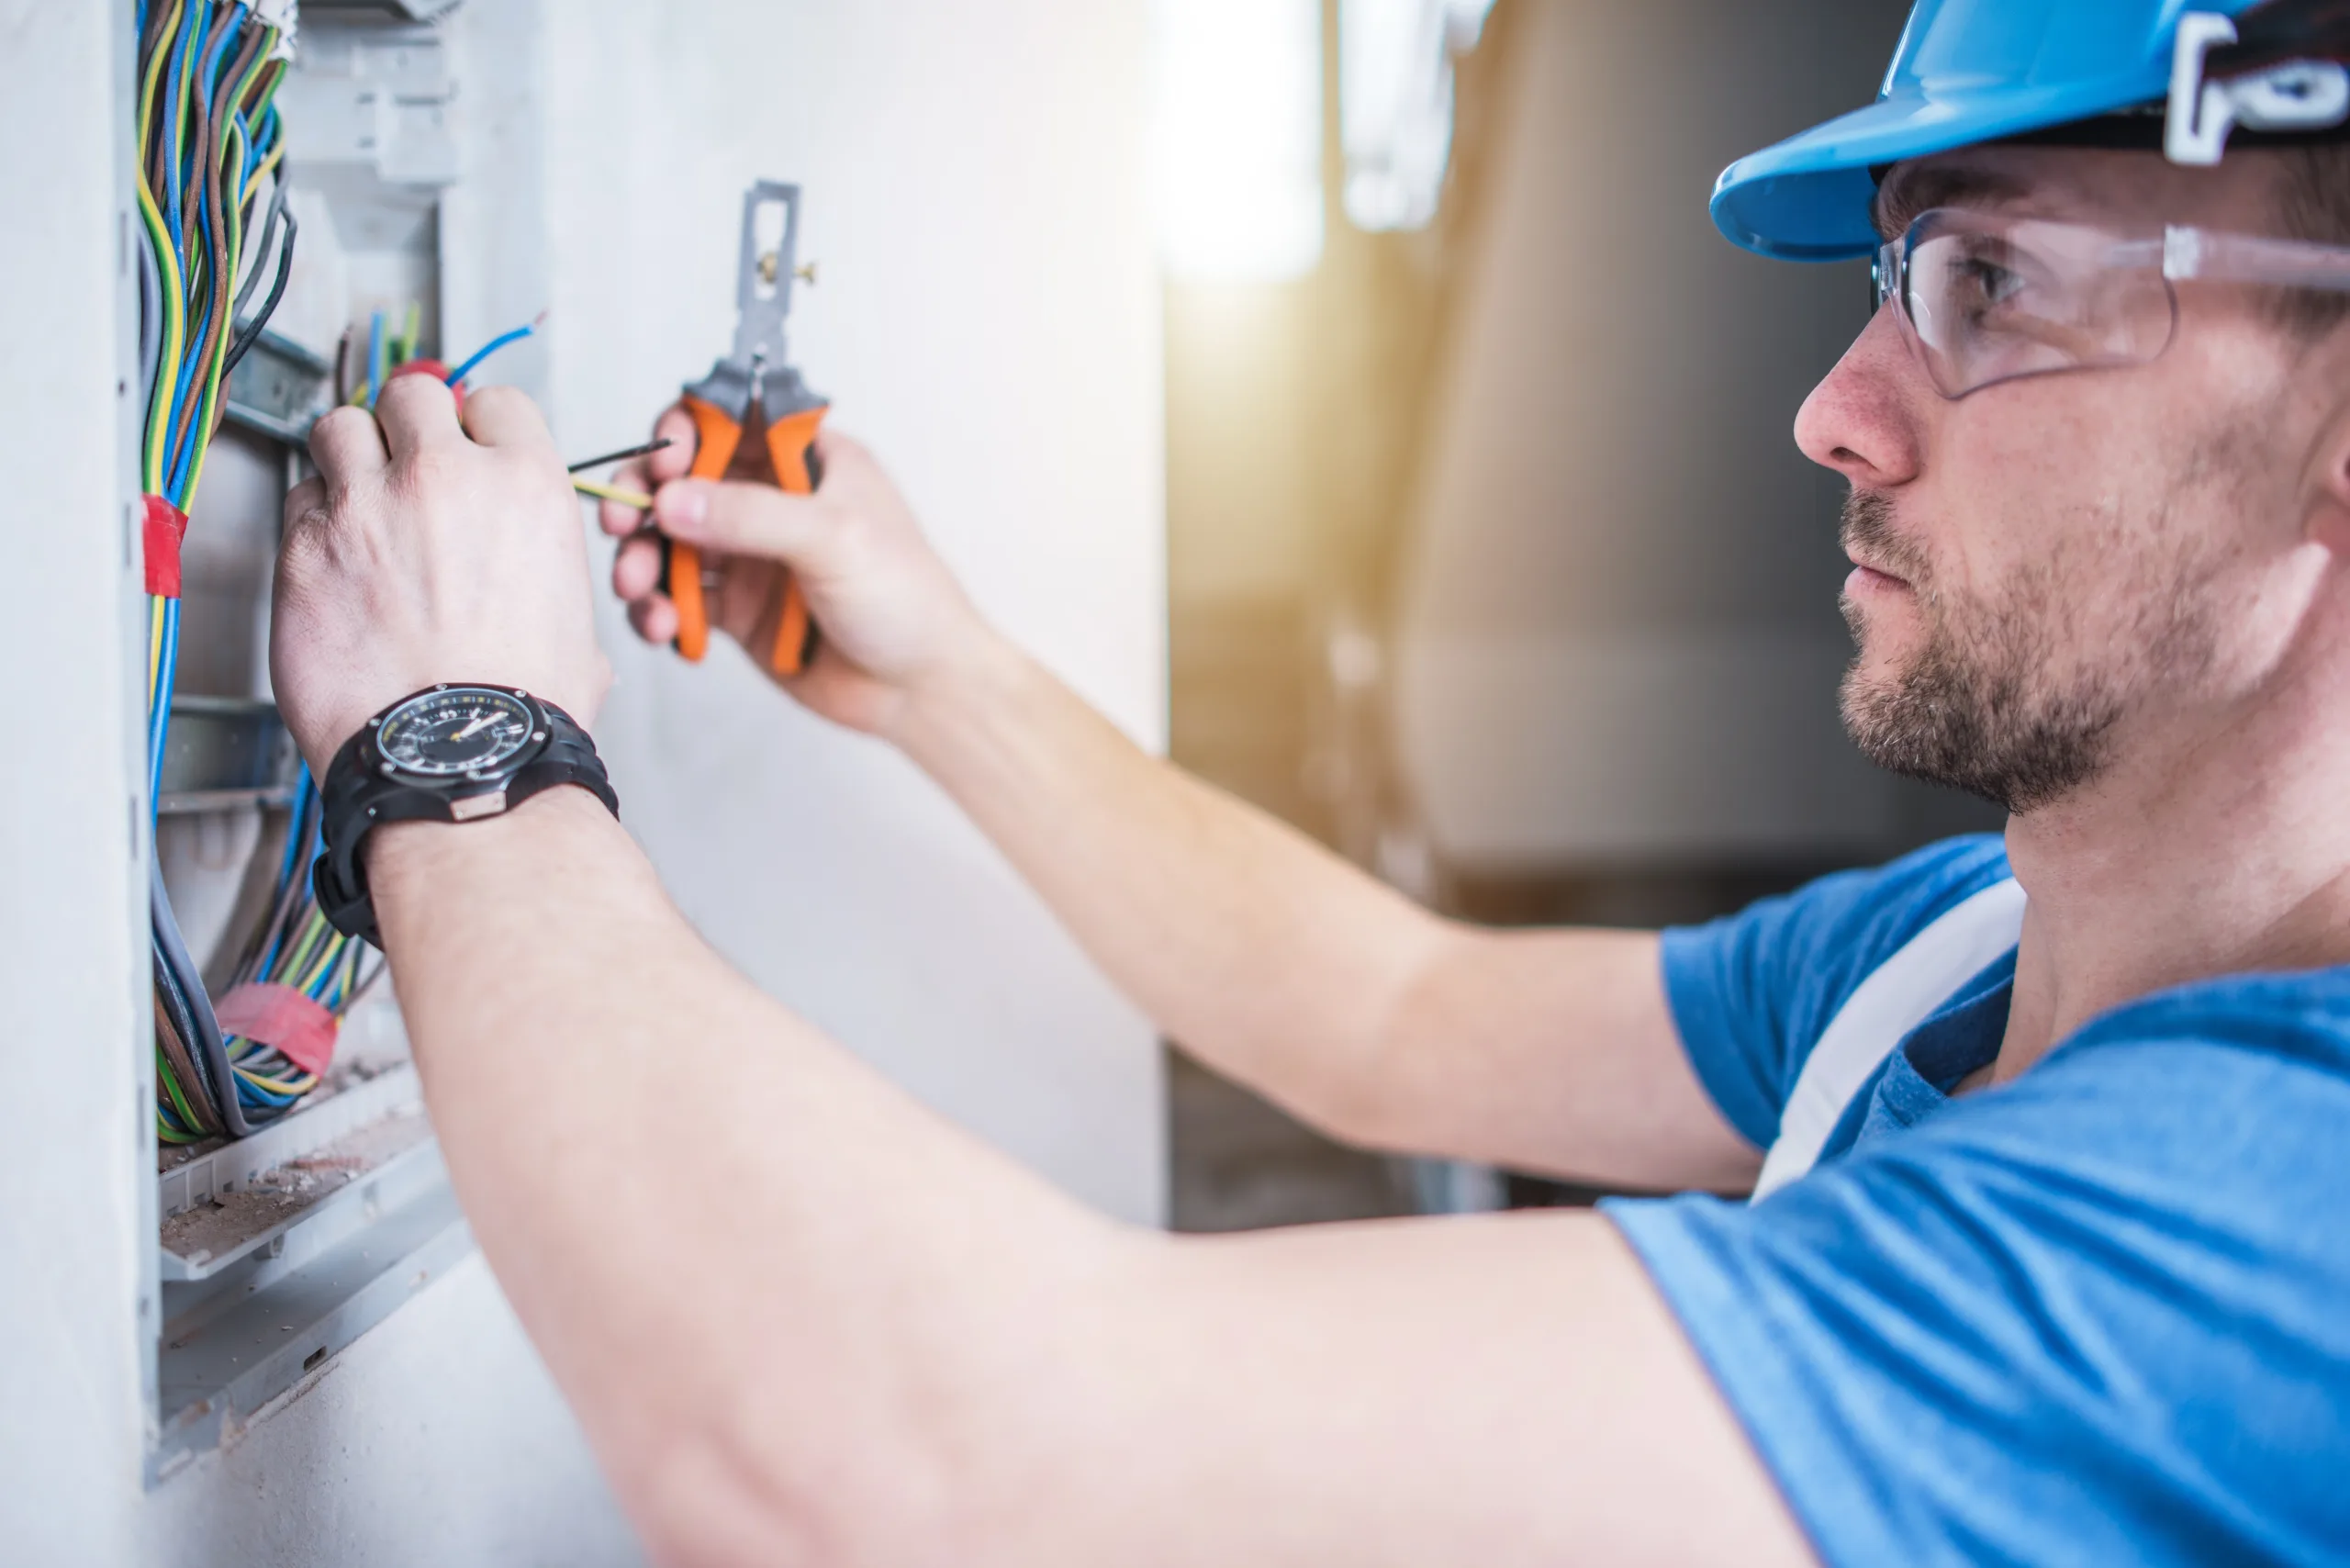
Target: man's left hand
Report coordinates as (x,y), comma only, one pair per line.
(430,549)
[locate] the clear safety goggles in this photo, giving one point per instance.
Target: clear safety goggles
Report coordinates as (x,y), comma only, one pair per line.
(1984,298)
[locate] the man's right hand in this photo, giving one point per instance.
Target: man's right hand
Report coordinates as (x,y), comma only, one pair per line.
(893,620)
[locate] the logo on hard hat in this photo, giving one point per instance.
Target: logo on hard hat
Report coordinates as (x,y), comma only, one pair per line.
(2219,79)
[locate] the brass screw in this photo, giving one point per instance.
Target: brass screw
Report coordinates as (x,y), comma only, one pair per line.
(768,266)
(806,273)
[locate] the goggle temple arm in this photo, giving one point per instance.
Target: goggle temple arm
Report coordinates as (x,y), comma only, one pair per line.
(2216,257)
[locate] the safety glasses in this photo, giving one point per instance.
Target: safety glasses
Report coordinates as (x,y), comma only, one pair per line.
(1984,298)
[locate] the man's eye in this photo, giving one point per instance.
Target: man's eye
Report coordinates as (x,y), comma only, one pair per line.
(1982,284)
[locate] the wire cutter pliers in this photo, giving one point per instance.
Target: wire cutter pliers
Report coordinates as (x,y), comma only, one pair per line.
(720,404)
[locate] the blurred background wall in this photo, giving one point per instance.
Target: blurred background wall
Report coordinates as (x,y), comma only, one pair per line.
(1491,559)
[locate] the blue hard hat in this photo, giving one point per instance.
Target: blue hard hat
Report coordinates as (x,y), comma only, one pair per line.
(1965,72)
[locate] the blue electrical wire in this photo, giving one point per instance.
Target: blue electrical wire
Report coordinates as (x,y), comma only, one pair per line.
(374,357)
(252,1093)
(211,68)
(307,835)
(159,719)
(173,72)
(180,462)
(294,834)
(488,349)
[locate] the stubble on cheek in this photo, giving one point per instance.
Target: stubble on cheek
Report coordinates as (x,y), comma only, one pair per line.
(2143,597)
(2015,697)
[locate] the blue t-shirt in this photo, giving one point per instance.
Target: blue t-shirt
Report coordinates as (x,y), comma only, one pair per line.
(2100,1315)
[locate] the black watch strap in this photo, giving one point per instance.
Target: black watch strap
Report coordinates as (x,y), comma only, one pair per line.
(363,789)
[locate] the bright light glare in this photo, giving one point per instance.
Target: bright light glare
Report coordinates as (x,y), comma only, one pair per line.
(1238,138)
(1395,103)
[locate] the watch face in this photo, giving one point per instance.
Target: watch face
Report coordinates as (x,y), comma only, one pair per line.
(456,732)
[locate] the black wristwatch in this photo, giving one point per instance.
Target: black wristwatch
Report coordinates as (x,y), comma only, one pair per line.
(451,754)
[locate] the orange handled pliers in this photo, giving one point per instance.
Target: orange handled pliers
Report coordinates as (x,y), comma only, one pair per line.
(720,404)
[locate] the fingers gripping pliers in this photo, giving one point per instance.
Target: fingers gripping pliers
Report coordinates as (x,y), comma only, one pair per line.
(754,373)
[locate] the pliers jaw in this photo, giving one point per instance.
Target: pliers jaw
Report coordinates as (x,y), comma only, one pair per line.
(729,387)
(732,388)
(765,272)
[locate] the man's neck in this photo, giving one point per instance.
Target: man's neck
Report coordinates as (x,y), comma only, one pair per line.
(2228,852)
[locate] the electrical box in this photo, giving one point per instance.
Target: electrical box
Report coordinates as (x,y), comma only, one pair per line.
(283,1230)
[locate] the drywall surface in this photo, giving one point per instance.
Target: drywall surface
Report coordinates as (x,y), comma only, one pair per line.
(438,1437)
(987,319)
(71,959)
(1618,630)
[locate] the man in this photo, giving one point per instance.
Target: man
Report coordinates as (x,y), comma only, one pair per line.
(2055,1267)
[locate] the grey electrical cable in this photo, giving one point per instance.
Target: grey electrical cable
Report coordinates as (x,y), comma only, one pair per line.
(252,333)
(260,255)
(174,1016)
(204,1042)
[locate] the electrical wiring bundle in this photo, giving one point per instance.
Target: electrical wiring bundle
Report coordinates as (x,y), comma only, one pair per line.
(209,141)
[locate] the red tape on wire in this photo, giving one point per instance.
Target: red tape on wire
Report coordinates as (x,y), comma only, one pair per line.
(167,526)
(433,368)
(302,1030)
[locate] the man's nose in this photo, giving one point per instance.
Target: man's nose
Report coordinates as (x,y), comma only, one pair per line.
(1862,418)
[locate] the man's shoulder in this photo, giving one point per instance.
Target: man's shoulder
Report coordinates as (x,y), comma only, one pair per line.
(1882,907)
(1750,993)
(1813,946)
(2298,1017)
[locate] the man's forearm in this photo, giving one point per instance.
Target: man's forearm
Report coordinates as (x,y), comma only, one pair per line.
(1270,957)
(804,1321)
(729,1238)
(1290,970)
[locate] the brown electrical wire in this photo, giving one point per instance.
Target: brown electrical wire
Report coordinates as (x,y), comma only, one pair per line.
(199,117)
(176,1052)
(158,13)
(161,137)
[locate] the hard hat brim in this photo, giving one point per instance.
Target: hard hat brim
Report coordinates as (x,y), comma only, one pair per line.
(1809,199)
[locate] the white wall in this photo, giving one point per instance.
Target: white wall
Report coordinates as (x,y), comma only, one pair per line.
(988,320)
(70,946)
(987,317)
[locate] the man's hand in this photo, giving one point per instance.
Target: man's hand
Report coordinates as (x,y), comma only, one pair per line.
(893,620)
(427,549)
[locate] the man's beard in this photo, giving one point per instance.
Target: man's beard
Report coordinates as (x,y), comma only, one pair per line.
(1978,706)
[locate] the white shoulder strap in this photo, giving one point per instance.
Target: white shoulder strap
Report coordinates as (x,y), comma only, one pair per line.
(1900,994)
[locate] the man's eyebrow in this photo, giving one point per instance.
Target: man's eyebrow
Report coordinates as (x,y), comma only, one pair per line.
(1908,193)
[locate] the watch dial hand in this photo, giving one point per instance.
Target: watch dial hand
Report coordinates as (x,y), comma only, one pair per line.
(479,724)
